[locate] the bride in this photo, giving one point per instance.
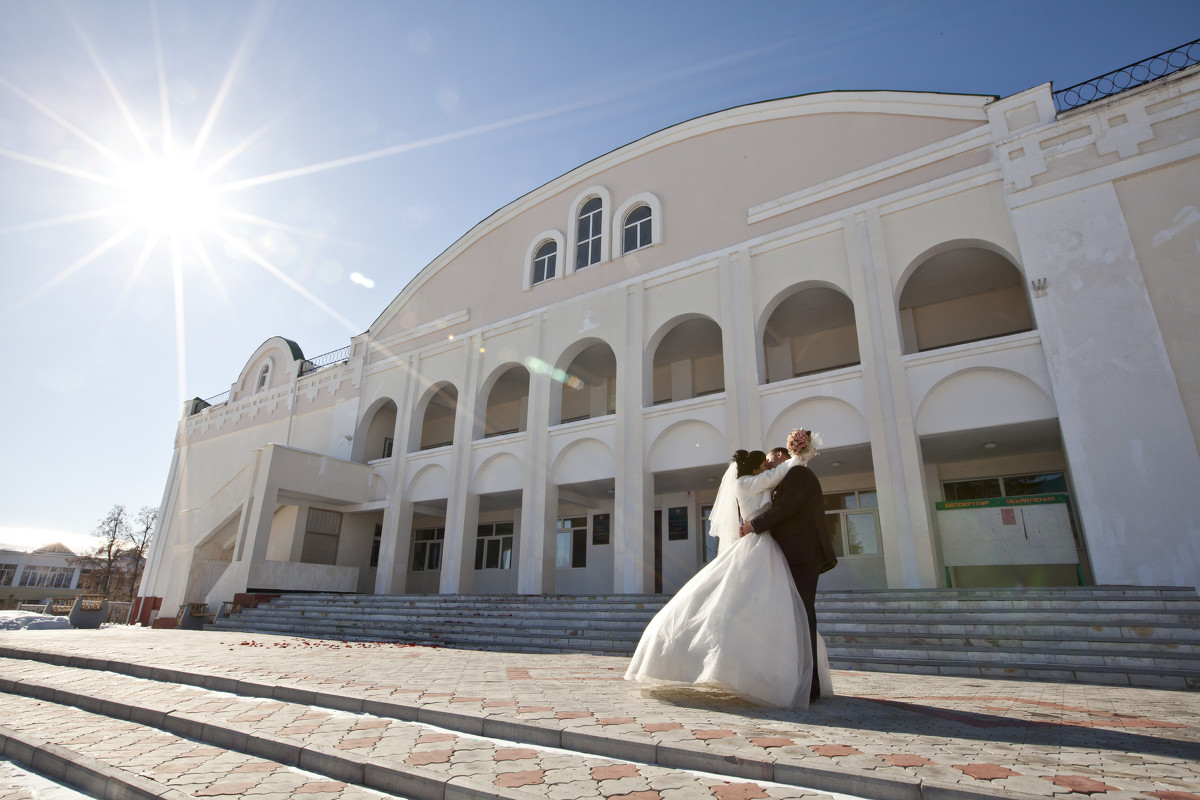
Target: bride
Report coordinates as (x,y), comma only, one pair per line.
(738,623)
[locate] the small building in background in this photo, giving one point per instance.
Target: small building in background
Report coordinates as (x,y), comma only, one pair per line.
(38,576)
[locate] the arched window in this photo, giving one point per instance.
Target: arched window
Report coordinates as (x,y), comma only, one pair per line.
(544,262)
(263,377)
(637,229)
(591,219)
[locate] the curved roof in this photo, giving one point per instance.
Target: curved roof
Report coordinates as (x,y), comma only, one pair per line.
(886,124)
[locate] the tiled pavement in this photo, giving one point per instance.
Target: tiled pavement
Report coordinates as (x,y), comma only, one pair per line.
(225,713)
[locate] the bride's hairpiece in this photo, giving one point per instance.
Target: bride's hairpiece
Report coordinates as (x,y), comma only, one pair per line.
(803,443)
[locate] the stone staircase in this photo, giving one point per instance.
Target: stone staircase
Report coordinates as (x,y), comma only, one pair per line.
(1141,636)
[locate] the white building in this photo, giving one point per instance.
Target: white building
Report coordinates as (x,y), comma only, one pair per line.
(37,576)
(987,307)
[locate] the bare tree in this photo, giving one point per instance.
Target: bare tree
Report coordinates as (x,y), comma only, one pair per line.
(100,565)
(138,536)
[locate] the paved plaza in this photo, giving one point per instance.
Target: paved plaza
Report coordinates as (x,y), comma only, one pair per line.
(203,713)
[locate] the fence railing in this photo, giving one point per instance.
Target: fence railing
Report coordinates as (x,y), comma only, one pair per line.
(309,365)
(1119,80)
(325,360)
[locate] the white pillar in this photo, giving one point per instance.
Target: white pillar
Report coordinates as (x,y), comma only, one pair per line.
(633,511)
(458,567)
(904,510)
(1134,464)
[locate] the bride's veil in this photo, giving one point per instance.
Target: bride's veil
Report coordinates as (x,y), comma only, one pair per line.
(723,519)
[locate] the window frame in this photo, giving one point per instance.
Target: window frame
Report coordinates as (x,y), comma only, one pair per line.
(617,234)
(842,544)
(426,537)
(264,378)
(578,539)
(505,546)
(539,241)
(571,261)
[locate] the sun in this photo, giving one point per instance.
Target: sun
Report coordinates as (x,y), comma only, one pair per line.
(167,196)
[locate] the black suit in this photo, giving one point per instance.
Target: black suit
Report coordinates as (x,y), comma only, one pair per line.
(796,519)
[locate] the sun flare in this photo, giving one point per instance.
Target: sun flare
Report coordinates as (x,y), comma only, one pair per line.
(168,197)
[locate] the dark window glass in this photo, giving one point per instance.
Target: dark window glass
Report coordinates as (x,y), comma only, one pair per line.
(982,489)
(591,217)
(840,500)
(1049,483)
(544,262)
(637,229)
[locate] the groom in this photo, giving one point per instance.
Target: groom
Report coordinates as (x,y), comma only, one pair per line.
(796,519)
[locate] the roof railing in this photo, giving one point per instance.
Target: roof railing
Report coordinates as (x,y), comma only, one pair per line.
(325,360)
(1120,80)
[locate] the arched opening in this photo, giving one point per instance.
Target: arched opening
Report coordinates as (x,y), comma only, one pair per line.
(961,295)
(688,362)
(811,330)
(376,433)
(507,407)
(589,384)
(437,422)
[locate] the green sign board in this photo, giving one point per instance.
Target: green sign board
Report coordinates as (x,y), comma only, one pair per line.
(1003,502)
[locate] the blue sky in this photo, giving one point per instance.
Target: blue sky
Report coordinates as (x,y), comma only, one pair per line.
(351,143)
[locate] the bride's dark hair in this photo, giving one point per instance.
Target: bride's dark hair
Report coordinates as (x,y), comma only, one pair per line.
(748,460)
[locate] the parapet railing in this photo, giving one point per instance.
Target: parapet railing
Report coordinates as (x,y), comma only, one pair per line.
(1119,80)
(325,360)
(307,366)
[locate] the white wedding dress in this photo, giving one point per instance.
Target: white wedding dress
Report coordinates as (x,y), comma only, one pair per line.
(739,623)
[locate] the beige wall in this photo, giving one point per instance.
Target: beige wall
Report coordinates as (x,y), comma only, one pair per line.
(1163,209)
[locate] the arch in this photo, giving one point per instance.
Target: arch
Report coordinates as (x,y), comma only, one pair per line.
(982,397)
(684,358)
(593,192)
(276,354)
(584,460)
(545,237)
(584,381)
(505,396)
(500,472)
(959,292)
(651,202)
(688,443)
(954,244)
(434,415)
(808,327)
(838,422)
(375,431)
(431,482)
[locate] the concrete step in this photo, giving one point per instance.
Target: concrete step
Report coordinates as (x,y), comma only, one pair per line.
(1124,676)
(556,641)
(1122,633)
(59,741)
(176,740)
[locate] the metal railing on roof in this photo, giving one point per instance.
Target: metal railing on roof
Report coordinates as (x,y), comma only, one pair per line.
(1119,80)
(325,360)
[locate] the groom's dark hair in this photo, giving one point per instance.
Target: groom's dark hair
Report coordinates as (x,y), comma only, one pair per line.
(783,451)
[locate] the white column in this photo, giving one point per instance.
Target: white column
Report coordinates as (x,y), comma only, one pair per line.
(739,336)
(395,539)
(458,568)
(539,498)
(904,511)
(633,511)
(1133,460)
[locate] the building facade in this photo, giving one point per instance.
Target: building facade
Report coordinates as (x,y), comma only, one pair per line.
(38,576)
(987,308)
